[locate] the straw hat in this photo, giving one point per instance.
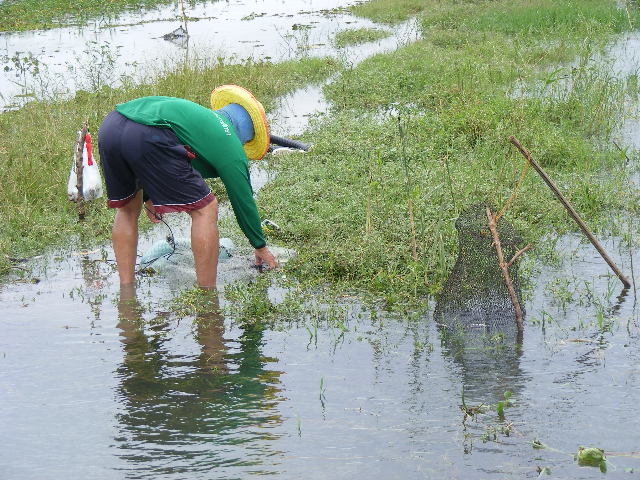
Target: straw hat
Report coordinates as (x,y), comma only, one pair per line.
(257,147)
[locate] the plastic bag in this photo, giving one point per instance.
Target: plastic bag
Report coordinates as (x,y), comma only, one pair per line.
(169,251)
(91,179)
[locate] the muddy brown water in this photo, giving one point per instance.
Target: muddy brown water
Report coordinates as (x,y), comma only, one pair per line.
(93,387)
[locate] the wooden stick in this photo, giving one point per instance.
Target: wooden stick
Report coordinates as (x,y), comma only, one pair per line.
(571,212)
(505,271)
(517,254)
(79,166)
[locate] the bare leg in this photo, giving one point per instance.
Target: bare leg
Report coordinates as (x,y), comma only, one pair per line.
(205,244)
(124,236)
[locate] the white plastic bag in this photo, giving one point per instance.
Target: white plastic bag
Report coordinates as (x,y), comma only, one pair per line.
(91,180)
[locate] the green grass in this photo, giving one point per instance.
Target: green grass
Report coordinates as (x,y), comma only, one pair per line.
(533,18)
(36,145)
(348,37)
(454,95)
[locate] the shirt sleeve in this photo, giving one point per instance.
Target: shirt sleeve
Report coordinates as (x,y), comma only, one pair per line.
(220,154)
(234,173)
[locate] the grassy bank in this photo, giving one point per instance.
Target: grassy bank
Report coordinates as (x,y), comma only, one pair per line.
(418,134)
(36,145)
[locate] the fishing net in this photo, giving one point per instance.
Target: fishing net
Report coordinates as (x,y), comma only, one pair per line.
(475,294)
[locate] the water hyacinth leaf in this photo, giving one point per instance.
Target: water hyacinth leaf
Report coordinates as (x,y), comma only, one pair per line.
(591,457)
(537,444)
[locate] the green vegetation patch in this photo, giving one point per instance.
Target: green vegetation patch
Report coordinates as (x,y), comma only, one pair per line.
(36,147)
(418,134)
(358,36)
(538,18)
(20,15)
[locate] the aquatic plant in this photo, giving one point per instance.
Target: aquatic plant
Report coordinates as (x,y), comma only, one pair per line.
(502,404)
(470,411)
(194,303)
(19,15)
(592,457)
(25,66)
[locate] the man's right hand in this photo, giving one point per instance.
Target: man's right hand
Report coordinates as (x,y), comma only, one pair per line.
(263,255)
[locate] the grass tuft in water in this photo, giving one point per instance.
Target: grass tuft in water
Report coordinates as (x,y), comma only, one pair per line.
(358,36)
(20,15)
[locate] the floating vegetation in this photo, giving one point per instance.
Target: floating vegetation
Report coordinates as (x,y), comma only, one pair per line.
(19,15)
(592,457)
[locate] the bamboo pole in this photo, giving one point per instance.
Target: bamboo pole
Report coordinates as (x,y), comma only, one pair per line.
(79,148)
(505,271)
(571,212)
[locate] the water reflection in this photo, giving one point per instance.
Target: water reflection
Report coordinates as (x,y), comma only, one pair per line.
(206,411)
(488,361)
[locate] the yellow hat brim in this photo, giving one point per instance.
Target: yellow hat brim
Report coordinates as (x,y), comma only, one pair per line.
(223,95)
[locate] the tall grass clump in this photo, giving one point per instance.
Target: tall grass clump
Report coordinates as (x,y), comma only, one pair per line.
(36,146)
(483,71)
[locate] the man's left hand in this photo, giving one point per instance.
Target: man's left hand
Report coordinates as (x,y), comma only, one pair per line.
(150,210)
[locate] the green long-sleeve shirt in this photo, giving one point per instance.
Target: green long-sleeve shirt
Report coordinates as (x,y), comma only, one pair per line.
(219,152)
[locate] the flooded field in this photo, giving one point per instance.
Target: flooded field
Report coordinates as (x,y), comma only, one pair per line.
(98,383)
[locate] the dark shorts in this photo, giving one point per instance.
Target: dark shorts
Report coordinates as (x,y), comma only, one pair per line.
(135,156)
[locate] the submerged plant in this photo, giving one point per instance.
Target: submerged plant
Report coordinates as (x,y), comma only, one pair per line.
(470,410)
(502,404)
(195,303)
(26,68)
